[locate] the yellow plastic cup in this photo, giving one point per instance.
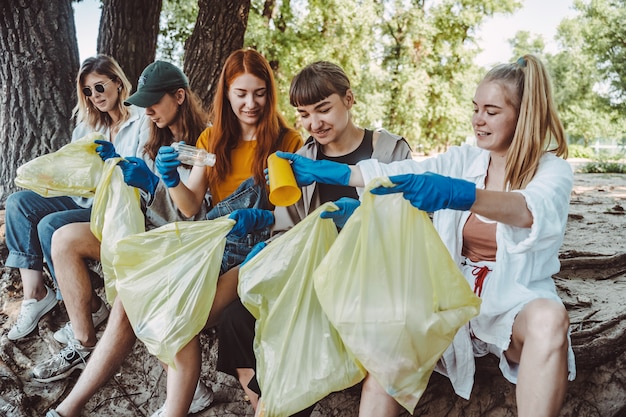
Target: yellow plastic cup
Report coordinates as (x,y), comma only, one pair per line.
(284,190)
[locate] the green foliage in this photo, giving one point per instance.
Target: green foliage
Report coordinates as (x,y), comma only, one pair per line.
(581,84)
(604,167)
(293,34)
(526,43)
(580,151)
(178,18)
(602,23)
(411,66)
(604,162)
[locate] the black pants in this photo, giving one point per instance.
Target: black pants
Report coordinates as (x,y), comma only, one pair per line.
(235,347)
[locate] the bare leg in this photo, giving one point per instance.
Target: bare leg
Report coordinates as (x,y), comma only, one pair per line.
(375,402)
(245,376)
(539,345)
(32,283)
(182,381)
(115,345)
(225,293)
(71,246)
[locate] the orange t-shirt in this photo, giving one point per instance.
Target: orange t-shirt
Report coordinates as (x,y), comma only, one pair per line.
(242,157)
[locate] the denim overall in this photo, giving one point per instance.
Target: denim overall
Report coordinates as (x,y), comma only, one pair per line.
(247,195)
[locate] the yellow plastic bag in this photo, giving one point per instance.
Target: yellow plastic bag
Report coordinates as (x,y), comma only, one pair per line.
(116,213)
(394,294)
(166,279)
(73,170)
(300,357)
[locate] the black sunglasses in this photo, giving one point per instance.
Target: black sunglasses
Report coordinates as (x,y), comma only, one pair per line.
(98,87)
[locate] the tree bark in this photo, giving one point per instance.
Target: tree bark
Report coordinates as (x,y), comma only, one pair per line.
(128,32)
(37,75)
(219,30)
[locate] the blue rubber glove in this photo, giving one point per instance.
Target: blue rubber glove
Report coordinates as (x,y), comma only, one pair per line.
(249,220)
(346,206)
(167,165)
(256,249)
(137,174)
(432,192)
(106,150)
(308,171)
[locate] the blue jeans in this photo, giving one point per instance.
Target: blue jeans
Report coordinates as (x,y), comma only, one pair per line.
(30,222)
(247,195)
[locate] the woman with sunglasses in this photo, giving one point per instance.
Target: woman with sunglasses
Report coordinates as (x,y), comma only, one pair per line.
(175,114)
(31,219)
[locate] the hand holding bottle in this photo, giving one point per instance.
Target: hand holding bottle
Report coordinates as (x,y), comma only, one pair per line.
(167,165)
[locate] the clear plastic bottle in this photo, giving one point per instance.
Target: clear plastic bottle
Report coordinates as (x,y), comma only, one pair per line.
(191,155)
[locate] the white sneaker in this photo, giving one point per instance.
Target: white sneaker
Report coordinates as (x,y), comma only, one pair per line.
(66,333)
(30,314)
(71,357)
(202,398)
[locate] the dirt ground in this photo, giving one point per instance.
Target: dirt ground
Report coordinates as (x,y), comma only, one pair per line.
(592,283)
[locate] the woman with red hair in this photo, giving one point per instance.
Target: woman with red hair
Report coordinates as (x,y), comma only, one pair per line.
(246,128)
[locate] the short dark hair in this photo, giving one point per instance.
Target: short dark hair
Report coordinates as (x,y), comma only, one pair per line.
(317,81)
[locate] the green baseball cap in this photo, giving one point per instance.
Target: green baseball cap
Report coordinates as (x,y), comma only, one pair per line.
(157,79)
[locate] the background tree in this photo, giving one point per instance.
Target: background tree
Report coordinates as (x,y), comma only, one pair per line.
(38,66)
(178,18)
(128,32)
(587,104)
(602,26)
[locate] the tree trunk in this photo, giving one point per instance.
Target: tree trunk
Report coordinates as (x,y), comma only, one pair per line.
(219,30)
(128,32)
(37,75)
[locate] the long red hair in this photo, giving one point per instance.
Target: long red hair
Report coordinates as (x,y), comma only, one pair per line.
(226,129)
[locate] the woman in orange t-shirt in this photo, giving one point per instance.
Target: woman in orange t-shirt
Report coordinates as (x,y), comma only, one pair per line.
(246,128)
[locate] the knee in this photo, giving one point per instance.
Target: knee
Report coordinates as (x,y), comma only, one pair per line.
(371,387)
(548,321)
(16,202)
(45,229)
(12,203)
(61,241)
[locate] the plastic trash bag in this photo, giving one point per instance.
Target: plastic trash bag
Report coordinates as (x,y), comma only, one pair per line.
(73,170)
(116,213)
(166,279)
(394,294)
(300,357)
